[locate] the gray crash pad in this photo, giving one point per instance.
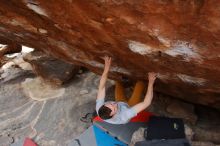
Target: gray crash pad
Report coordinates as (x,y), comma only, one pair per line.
(123,132)
(87,138)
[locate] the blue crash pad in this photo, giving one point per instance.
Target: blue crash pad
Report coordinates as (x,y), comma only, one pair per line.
(104,139)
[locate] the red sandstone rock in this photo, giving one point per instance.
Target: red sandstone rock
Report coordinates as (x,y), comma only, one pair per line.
(178,39)
(9,49)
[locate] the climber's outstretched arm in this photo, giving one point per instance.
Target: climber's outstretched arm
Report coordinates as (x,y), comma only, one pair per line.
(101,90)
(149,95)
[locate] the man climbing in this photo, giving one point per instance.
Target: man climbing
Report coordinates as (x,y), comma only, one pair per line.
(120,112)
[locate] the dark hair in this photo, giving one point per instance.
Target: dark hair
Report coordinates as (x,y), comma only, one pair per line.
(104,112)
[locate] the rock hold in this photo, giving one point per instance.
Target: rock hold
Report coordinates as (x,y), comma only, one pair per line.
(43,31)
(82,92)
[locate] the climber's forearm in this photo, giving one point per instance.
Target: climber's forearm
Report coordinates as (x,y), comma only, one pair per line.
(104,77)
(147,100)
(101,89)
(149,95)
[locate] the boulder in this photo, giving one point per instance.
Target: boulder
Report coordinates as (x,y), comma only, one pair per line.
(189,132)
(202,143)
(208,132)
(182,110)
(9,49)
(50,69)
(178,39)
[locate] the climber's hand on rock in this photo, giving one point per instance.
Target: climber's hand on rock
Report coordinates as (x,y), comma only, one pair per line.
(108,61)
(152,76)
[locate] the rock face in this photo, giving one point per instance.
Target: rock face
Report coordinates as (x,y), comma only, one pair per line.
(8,49)
(178,39)
(182,110)
(52,70)
(12,48)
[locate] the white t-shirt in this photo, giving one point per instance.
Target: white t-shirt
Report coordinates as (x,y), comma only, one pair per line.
(123,115)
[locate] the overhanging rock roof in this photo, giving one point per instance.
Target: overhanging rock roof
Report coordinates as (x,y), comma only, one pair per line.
(178,39)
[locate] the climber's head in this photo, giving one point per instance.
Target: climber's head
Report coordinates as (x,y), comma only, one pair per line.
(108,110)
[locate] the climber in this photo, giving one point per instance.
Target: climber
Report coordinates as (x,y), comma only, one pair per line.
(120,112)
